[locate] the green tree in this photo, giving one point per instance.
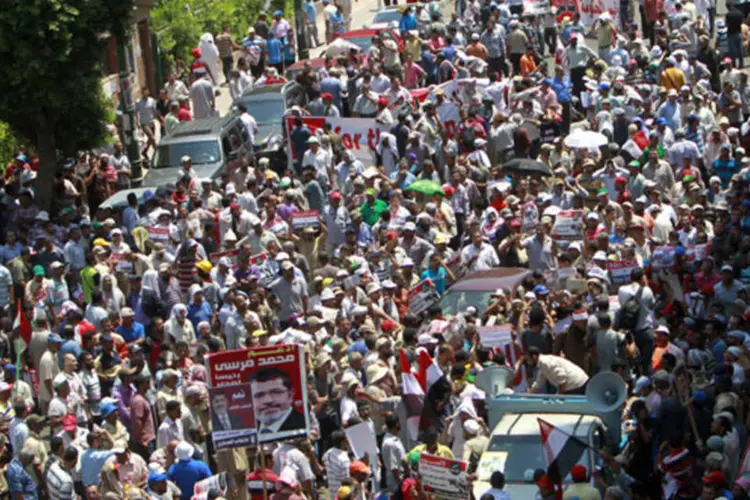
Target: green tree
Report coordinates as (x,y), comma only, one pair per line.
(51,91)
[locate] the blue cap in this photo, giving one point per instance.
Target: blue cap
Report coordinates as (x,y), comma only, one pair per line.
(54,338)
(155,477)
(679,250)
(661,121)
(106,409)
(147,195)
(278,13)
(540,290)
(10,367)
(604,86)
(21,158)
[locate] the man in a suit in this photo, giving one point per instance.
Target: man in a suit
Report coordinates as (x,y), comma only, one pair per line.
(273,400)
(221,419)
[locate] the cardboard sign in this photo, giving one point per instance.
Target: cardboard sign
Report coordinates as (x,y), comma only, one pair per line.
(444,477)
(530,215)
(232,418)
(232,254)
(276,378)
(496,336)
(619,271)
(697,252)
(568,225)
(304,218)
(663,257)
(216,482)
(422,296)
(158,233)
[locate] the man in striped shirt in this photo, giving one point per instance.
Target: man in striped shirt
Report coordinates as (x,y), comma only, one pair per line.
(56,470)
(336,461)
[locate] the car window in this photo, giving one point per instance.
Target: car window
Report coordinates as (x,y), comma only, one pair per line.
(387,16)
(267,111)
(524,454)
(201,152)
(456,301)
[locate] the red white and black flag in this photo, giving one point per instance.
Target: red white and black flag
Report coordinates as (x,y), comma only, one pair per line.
(412,394)
(561,450)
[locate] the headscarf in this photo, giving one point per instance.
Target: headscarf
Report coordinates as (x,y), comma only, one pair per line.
(114,297)
(194,288)
(151,282)
(182,331)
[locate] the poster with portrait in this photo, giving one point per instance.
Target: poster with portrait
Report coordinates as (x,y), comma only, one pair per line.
(232,417)
(277,378)
(444,477)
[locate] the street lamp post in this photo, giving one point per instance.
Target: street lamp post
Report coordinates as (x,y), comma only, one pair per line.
(128,106)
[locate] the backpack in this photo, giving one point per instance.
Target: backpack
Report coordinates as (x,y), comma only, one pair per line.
(630,311)
(468,134)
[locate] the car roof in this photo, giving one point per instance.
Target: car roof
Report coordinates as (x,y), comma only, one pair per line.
(359,33)
(205,126)
(526,424)
(486,281)
(264,90)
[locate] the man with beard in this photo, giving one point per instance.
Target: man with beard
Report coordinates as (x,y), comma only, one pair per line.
(273,400)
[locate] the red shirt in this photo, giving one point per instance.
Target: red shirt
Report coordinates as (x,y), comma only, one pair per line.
(184,115)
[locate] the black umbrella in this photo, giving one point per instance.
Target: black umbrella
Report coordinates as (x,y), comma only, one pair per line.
(526,166)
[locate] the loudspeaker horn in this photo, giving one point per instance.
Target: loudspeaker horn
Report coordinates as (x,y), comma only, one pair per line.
(606,391)
(494,379)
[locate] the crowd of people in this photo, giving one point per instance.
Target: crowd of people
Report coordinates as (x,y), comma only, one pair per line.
(108,314)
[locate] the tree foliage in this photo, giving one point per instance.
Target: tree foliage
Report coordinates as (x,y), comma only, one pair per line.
(9,144)
(51,91)
(179,24)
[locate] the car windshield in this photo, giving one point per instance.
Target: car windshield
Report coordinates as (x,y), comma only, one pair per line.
(386,16)
(363,42)
(520,454)
(201,152)
(266,111)
(456,301)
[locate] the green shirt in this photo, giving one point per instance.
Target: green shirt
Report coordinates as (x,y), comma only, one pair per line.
(170,121)
(371,212)
(89,281)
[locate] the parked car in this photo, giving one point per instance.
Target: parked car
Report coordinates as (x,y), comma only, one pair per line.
(385,18)
(475,289)
(215,145)
(268,105)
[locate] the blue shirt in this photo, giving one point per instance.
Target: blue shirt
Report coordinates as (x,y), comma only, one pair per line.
(333,86)
(725,169)
(299,136)
(19,481)
(274,51)
(92,462)
(311,12)
(135,332)
(438,278)
(408,23)
(562,89)
(408,179)
(186,473)
(198,313)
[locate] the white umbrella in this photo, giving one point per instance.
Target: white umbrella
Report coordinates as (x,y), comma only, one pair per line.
(340,47)
(585,139)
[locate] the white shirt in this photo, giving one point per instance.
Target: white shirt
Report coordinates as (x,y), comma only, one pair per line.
(480,259)
(559,372)
(59,482)
(169,430)
(251,125)
(348,409)
(146,108)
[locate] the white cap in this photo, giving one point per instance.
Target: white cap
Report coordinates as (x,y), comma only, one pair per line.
(184,451)
(600,255)
(471,427)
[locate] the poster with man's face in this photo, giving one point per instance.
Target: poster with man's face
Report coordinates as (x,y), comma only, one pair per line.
(277,385)
(232,416)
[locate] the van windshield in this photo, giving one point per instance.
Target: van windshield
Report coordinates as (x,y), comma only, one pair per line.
(201,152)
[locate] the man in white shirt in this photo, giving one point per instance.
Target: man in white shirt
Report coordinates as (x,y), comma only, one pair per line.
(146,108)
(250,124)
(176,89)
(479,255)
(202,95)
(336,461)
(171,428)
(566,376)
(318,158)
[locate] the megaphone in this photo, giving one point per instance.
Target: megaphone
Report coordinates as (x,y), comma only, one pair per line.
(606,391)
(494,379)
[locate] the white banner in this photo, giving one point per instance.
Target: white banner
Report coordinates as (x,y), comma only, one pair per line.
(591,10)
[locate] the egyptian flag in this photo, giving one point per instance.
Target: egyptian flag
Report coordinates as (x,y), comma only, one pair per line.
(22,323)
(412,394)
(437,389)
(561,450)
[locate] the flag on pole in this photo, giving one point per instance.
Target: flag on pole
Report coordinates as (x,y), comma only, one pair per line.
(429,371)
(412,395)
(561,450)
(22,323)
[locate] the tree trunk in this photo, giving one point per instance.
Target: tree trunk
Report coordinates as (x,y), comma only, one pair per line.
(45,146)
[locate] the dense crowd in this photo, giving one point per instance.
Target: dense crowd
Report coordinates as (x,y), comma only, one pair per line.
(615,179)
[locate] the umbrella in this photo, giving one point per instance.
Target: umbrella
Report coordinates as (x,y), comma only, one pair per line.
(585,139)
(526,166)
(425,186)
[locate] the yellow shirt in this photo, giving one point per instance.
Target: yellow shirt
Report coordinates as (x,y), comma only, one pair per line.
(413,47)
(582,491)
(442,451)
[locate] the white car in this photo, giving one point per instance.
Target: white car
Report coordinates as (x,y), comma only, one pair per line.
(515,448)
(385,18)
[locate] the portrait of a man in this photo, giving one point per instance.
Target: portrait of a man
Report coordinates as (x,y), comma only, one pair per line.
(221,419)
(273,402)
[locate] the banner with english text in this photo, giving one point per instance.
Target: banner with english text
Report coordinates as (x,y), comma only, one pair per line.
(262,387)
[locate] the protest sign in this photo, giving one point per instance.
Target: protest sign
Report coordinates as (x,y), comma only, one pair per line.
(591,10)
(530,215)
(358,135)
(422,296)
(232,418)
(305,218)
(160,234)
(217,482)
(496,336)
(232,254)
(278,386)
(663,257)
(619,271)
(444,477)
(454,264)
(697,252)
(362,440)
(568,225)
